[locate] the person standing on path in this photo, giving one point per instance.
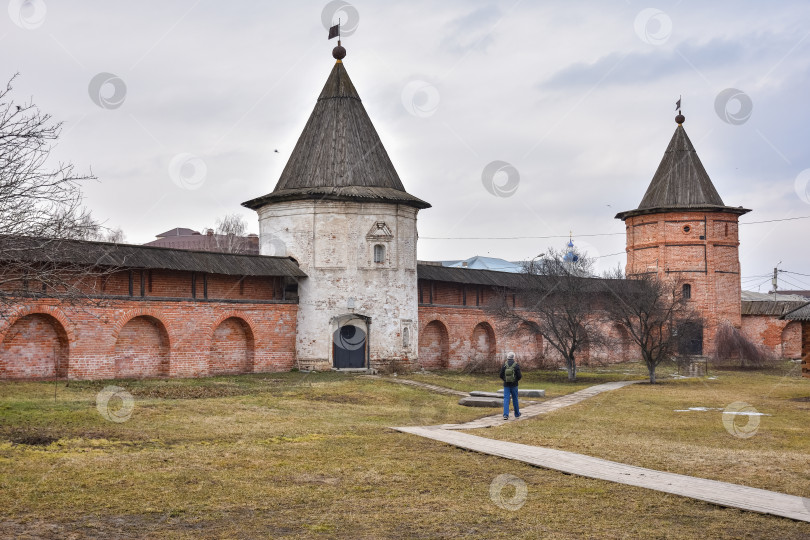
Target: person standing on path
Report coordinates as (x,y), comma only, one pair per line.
(510,375)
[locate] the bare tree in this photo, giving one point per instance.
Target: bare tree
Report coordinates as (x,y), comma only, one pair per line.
(652,311)
(35,199)
(40,203)
(560,305)
(230,234)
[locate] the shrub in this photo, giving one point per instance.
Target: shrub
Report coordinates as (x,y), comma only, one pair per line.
(489,364)
(398,365)
(732,345)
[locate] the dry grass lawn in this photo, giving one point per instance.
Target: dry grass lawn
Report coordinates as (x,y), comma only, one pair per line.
(310,455)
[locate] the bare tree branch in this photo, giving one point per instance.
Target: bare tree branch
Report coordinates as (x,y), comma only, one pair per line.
(654,312)
(41,205)
(560,305)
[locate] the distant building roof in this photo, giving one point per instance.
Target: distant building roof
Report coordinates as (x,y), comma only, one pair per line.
(182,238)
(485,263)
(339,155)
(106,254)
(178,231)
(680,183)
(753,296)
(805,294)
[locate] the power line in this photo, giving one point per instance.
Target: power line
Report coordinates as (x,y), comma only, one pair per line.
(773,220)
(791,283)
(793,280)
(759,285)
(611,255)
(797,273)
(578,235)
(514,237)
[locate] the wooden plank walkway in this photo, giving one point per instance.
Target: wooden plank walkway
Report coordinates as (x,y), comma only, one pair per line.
(545,407)
(712,491)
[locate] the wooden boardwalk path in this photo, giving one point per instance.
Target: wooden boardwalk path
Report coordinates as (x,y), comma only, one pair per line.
(545,407)
(713,491)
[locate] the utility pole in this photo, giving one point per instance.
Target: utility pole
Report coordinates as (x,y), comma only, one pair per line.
(775,282)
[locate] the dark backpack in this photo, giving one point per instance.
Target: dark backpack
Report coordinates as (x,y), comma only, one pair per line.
(509,372)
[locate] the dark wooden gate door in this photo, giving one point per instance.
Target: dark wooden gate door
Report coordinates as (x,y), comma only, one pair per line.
(349,347)
(691,339)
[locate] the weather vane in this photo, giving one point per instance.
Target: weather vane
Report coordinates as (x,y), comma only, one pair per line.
(338,52)
(680,118)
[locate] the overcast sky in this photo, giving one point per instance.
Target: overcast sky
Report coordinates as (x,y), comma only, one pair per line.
(578,98)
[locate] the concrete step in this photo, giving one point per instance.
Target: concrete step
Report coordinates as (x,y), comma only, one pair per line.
(481,402)
(525,392)
(479,393)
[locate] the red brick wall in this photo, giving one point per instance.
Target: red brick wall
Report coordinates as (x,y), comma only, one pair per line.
(434,346)
(701,249)
(784,338)
(231,348)
(451,336)
(177,284)
(142,349)
(792,340)
(34,347)
(483,342)
(165,333)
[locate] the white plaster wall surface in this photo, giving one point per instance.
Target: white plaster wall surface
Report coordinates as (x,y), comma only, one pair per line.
(333,242)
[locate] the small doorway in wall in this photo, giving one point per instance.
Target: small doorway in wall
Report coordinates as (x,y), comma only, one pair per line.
(690,339)
(349,343)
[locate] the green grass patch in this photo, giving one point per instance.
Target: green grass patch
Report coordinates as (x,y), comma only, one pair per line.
(311,455)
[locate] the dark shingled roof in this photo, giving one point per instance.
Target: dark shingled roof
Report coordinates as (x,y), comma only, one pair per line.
(799,314)
(509,280)
(681,183)
(773,309)
(339,155)
(105,254)
(470,276)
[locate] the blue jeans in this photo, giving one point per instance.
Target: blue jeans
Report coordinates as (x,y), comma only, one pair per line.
(510,392)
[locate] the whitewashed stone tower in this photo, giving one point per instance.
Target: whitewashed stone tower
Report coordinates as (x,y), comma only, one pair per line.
(341,211)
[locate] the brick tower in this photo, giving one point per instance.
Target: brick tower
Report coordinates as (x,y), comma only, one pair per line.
(683,230)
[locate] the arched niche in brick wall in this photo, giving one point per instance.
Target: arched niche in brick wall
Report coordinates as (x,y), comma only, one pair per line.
(482,345)
(617,347)
(17,313)
(232,348)
(434,346)
(34,347)
(791,340)
(528,345)
(142,349)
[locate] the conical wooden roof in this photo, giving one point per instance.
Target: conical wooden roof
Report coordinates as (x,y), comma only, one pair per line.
(339,155)
(680,183)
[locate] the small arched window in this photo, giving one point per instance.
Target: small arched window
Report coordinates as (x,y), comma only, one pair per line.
(379,253)
(406,337)
(687,291)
